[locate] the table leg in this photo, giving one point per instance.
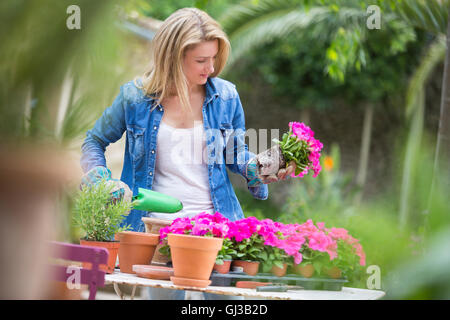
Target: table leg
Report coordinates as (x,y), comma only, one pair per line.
(120,293)
(132,293)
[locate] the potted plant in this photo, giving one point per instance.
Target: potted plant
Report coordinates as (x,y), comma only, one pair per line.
(299,146)
(153,225)
(350,254)
(275,260)
(225,256)
(194,244)
(100,219)
(312,262)
(248,244)
(281,246)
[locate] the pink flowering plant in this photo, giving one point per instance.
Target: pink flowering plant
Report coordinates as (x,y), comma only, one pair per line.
(349,252)
(227,252)
(203,225)
(300,146)
(274,243)
(246,240)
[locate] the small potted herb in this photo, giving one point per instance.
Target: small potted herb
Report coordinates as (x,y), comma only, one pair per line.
(100,219)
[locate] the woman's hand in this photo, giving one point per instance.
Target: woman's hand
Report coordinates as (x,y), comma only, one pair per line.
(119,189)
(255,177)
(282,174)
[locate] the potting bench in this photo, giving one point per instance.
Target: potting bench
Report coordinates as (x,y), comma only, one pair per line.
(118,278)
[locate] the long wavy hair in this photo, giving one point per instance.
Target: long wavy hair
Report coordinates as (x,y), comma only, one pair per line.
(181,31)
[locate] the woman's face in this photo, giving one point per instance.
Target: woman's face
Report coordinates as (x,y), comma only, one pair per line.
(198,63)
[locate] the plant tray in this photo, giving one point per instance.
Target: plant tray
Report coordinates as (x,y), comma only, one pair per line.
(232,277)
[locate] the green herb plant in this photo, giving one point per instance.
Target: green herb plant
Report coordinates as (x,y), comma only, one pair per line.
(97,215)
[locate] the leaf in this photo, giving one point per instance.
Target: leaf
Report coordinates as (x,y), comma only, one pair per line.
(263,255)
(279,264)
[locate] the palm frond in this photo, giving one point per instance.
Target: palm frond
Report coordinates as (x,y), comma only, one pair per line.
(435,54)
(415,108)
(430,15)
(280,23)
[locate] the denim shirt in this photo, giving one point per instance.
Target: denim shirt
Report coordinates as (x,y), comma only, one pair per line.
(136,114)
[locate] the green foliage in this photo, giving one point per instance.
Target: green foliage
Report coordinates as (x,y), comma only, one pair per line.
(250,249)
(272,256)
(331,55)
(162,9)
(431,15)
(330,190)
(30,103)
(226,252)
(294,150)
(426,275)
(98,216)
(347,260)
(329,199)
(316,258)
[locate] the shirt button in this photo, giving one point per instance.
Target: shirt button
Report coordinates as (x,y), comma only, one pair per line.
(160,109)
(153,151)
(155,127)
(151,173)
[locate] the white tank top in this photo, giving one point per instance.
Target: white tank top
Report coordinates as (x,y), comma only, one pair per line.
(181,170)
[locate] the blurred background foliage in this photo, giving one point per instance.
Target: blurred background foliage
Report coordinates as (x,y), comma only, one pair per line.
(372,97)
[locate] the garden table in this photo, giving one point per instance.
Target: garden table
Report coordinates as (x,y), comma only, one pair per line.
(133,280)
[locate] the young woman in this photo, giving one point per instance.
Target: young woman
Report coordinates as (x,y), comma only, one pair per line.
(185,127)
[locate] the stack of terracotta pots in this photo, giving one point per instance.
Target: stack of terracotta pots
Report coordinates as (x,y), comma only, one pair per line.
(136,248)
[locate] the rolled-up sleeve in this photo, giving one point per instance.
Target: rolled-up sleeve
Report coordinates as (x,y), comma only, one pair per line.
(240,153)
(107,129)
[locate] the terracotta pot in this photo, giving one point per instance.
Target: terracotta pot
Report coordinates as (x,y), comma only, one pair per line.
(185,282)
(279,272)
(111,246)
(193,257)
(223,268)
(251,284)
(136,248)
(250,267)
(153,272)
(306,271)
(334,272)
(153,225)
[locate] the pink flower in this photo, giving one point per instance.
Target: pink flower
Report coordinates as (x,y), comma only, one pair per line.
(199,225)
(304,133)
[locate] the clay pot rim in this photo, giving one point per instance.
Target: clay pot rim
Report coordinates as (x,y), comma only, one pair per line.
(109,244)
(195,282)
(149,220)
(153,272)
(136,238)
(225,260)
(174,240)
(248,261)
(251,284)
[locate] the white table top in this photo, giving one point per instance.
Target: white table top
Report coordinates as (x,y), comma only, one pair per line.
(345,294)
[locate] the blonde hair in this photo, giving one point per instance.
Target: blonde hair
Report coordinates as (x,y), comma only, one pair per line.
(181,31)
